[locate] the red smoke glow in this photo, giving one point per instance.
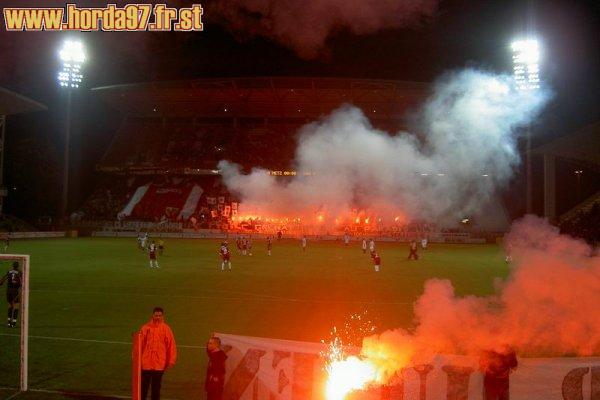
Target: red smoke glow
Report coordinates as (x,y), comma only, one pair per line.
(548,306)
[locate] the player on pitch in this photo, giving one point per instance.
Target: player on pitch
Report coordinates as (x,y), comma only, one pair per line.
(269,245)
(13,293)
(6,242)
(152,255)
(225,256)
(376,261)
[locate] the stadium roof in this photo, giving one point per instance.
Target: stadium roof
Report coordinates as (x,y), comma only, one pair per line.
(14,103)
(583,145)
(264,97)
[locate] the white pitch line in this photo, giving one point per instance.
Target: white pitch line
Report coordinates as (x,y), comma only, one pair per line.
(212,291)
(90,340)
(68,393)
(269,298)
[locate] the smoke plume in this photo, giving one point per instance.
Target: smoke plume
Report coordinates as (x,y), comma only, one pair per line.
(305,25)
(548,306)
(470,124)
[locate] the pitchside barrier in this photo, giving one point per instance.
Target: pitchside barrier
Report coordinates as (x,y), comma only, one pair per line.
(37,235)
(272,369)
(215,234)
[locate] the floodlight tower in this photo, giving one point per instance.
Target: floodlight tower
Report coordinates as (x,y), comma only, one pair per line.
(72,56)
(526,58)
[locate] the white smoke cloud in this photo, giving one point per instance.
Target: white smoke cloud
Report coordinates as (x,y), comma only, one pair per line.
(470,123)
(305,25)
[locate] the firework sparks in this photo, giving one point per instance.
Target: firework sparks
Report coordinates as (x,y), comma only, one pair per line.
(357,327)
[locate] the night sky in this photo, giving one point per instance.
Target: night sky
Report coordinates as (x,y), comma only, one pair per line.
(459,34)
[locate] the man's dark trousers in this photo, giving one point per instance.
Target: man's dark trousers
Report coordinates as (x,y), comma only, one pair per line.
(154,379)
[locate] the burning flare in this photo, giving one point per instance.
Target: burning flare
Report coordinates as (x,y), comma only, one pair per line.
(348,375)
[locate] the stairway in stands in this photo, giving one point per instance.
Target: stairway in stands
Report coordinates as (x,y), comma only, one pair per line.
(580,209)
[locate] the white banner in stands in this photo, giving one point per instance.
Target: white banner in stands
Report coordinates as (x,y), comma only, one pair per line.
(137,196)
(191,203)
(272,369)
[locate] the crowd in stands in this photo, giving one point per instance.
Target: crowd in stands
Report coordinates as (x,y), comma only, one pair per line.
(154,144)
(10,223)
(185,145)
(265,147)
(584,225)
(163,200)
(106,201)
(170,147)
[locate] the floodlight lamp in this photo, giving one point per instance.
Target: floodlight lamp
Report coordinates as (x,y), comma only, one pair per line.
(526,51)
(72,55)
(526,57)
(72,52)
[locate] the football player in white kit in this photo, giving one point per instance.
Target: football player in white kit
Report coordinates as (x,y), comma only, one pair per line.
(372,246)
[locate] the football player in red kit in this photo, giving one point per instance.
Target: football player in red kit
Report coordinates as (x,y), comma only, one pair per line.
(376,261)
(225,256)
(238,243)
(244,246)
(413,250)
(152,254)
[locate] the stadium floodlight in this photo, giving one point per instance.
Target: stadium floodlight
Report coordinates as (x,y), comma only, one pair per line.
(72,55)
(526,67)
(526,59)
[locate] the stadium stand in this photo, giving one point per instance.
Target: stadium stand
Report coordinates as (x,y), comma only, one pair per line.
(12,103)
(584,221)
(163,158)
(580,149)
(161,165)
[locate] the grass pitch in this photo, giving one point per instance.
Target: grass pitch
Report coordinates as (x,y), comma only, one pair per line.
(89,295)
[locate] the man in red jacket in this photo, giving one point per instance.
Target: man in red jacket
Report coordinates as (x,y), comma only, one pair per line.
(215,372)
(159,352)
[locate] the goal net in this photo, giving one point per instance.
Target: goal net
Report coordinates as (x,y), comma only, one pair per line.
(14,339)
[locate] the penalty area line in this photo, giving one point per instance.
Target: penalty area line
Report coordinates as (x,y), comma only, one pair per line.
(274,299)
(13,395)
(67,339)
